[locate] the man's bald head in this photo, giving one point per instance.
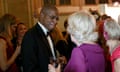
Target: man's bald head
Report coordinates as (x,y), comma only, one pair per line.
(45,9)
(49,16)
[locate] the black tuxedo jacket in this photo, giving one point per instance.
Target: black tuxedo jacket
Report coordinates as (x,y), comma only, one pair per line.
(35,50)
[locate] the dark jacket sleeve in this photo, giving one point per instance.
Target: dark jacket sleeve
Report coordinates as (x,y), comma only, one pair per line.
(29,57)
(62,47)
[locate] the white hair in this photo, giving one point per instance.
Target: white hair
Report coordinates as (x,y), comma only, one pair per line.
(112,28)
(82,25)
(119,19)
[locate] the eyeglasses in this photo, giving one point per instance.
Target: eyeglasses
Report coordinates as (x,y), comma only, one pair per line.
(54,17)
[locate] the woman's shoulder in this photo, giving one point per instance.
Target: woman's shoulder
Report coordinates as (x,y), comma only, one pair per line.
(2,39)
(2,43)
(116,53)
(77,51)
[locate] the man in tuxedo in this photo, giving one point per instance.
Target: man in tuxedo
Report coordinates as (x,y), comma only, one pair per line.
(37,46)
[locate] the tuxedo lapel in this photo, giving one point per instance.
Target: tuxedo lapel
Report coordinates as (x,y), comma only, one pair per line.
(53,45)
(43,37)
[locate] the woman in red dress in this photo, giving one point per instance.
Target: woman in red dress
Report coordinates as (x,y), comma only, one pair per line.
(7,54)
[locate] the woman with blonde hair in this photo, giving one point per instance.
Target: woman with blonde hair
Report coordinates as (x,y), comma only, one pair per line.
(7,54)
(112,37)
(87,56)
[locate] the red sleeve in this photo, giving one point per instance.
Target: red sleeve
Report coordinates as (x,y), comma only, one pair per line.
(116,54)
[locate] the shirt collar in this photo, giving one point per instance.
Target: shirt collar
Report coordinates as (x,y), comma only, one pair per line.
(45,30)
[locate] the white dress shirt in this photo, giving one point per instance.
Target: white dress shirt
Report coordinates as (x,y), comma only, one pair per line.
(49,40)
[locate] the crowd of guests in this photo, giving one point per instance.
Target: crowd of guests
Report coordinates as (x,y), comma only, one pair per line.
(90,43)
(10,28)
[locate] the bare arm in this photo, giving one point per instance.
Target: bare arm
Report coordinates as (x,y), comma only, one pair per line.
(4,63)
(117,65)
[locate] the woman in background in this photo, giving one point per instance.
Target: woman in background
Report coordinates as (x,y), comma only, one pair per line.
(59,41)
(21,29)
(20,32)
(60,45)
(112,37)
(7,53)
(70,44)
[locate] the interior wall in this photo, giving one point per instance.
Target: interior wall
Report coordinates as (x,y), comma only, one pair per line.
(109,11)
(25,10)
(22,9)
(60,24)
(63,17)
(2,9)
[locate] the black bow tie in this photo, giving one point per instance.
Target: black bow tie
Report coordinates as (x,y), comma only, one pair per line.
(48,33)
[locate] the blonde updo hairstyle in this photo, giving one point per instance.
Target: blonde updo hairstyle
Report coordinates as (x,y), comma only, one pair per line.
(82,26)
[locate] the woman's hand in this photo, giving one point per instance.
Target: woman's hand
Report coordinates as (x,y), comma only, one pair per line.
(18,49)
(51,68)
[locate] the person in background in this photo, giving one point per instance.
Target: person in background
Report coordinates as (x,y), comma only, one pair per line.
(7,54)
(59,41)
(112,37)
(102,42)
(60,45)
(37,48)
(87,56)
(20,32)
(70,44)
(65,27)
(95,13)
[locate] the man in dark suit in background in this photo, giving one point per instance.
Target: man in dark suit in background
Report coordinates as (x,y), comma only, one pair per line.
(37,48)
